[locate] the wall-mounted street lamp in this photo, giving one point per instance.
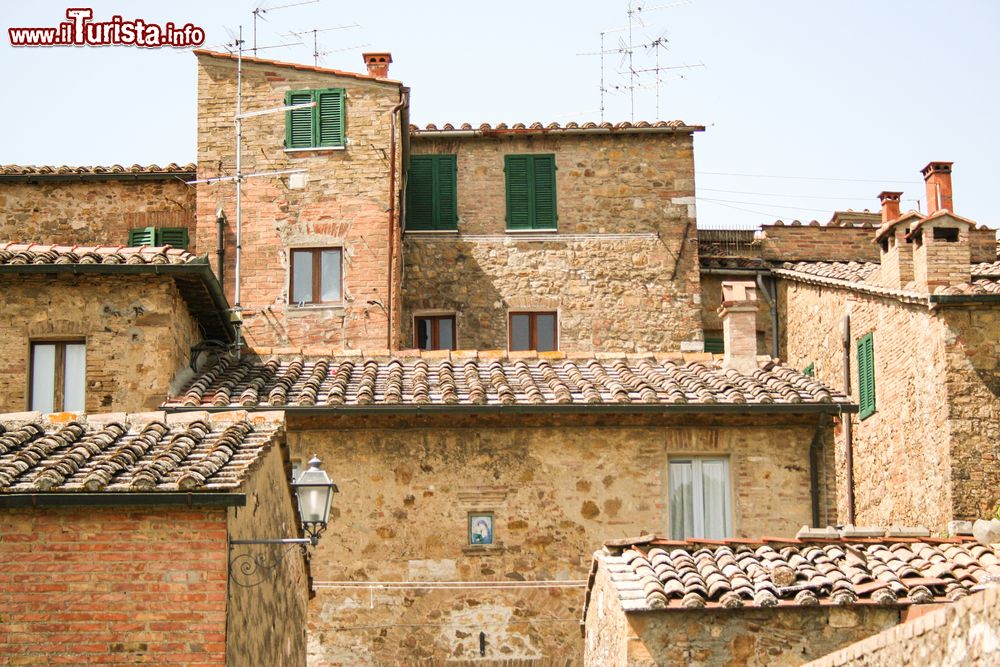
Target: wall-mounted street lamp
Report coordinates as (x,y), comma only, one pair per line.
(314,491)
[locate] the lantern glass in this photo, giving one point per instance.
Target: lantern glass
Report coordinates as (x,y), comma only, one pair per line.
(315,493)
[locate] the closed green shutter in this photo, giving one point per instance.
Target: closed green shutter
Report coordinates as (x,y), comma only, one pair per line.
(446,211)
(420,193)
(298,122)
(531,191)
(714,345)
(330,112)
(176,237)
(142,236)
(810,370)
(866,375)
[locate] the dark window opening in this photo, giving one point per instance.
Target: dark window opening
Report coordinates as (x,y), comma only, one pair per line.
(918,238)
(435,332)
(946,234)
(885,245)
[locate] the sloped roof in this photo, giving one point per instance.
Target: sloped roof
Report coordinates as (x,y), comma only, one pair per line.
(295,66)
(28,172)
(146,453)
(485,129)
(491,379)
(860,276)
(37,253)
(652,573)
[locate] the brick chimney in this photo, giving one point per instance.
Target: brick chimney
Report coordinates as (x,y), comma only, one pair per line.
(739,325)
(937,176)
(895,254)
(890,205)
(378,63)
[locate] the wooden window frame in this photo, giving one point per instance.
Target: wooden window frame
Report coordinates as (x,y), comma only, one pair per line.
(59,381)
(317,277)
(866,382)
(532,328)
(435,331)
(443,218)
(314,122)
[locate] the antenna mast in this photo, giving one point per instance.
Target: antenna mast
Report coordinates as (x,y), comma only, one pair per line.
(315,31)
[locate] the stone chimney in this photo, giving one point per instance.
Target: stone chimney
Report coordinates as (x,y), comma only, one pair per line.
(937,176)
(896,253)
(378,63)
(739,325)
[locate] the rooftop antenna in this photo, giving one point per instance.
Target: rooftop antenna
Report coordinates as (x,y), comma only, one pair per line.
(258,13)
(315,31)
(239,176)
(346,48)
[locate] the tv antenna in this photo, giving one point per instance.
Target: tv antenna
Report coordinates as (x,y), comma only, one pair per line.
(317,54)
(258,13)
(239,176)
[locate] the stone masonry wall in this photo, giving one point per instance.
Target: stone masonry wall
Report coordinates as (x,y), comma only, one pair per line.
(961,634)
(137,329)
(606,630)
(93,212)
(557,488)
(345,203)
(267,623)
(622,270)
(114,586)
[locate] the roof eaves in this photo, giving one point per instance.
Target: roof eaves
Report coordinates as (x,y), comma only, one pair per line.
(297,66)
(903,295)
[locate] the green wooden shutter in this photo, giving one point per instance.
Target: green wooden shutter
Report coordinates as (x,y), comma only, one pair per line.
(519,191)
(298,123)
(714,344)
(420,193)
(810,370)
(330,117)
(142,236)
(172,236)
(446,192)
(866,375)
(544,180)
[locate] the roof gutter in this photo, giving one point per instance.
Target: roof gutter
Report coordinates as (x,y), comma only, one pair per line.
(752,409)
(734,272)
(199,268)
(111,499)
(962,299)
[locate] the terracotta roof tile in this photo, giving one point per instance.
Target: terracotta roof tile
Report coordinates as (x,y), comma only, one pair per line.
(653,573)
(295,66)
(35,253)
(95,170)
(986,277)
(491,380)
(137,453)
(485,129)
(850,271)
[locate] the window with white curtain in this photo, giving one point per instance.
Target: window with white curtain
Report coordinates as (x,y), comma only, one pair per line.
(699,498)
(58,376)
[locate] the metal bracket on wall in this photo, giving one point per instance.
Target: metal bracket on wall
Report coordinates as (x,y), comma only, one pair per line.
(249,570)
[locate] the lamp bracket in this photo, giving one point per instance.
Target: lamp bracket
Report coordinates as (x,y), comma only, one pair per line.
(249,570)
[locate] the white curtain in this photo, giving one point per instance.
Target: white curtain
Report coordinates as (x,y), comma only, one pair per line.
(75,377)
(43,377)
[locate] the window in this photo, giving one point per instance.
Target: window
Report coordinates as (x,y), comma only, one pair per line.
(714,343)
(531,191)
(176,237)
(946,234)
(435,332)
(810,370)
(315,276)
(866,375)
(699,498)
(320,126)
(431,198)
(533,331)
(58,376)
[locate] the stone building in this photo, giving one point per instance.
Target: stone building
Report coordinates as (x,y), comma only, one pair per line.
(114,540)
(772,601)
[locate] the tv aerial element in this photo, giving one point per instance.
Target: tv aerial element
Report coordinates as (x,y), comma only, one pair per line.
(317,54)
(259,12)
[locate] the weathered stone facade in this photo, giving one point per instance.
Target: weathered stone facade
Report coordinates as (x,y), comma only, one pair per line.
(349,201)
(137,329)
(556,487)
(94,211)
(622,270)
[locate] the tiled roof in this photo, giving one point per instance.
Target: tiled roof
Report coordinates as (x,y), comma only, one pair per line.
(652,573)
(296,66)
(47,170)
(490,378)
(120,453)
(981,286)
(538,128)
(36,253)
(850,271)
(985,278)
(986,269)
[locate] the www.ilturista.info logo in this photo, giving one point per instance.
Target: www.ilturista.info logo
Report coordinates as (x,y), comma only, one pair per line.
(80,30)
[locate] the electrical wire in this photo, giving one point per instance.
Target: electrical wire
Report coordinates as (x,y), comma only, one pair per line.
(768,204)
(805,178)
(782,194)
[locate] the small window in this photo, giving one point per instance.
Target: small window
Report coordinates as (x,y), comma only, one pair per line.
(946,234)
(699,498)
(58,376)
(810,370)
(315,276)
(918,238)
(435,332)
(431,199)
(866,375)
(533,331)
(531,191)
(176,237)
(714,343)
(321,126)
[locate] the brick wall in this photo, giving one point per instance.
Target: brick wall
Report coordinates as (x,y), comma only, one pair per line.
(113,586)
(267,623)
(345,203)
(93,212)
(739,638)
(557,488)
(137,329)
(963,633)
(635,291)
(938,263)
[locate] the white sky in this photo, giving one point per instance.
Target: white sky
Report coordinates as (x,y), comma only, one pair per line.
(794,93)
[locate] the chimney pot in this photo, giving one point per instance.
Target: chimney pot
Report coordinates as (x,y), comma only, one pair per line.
(937,177)
(378,63)
(739,325)
(890,205)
